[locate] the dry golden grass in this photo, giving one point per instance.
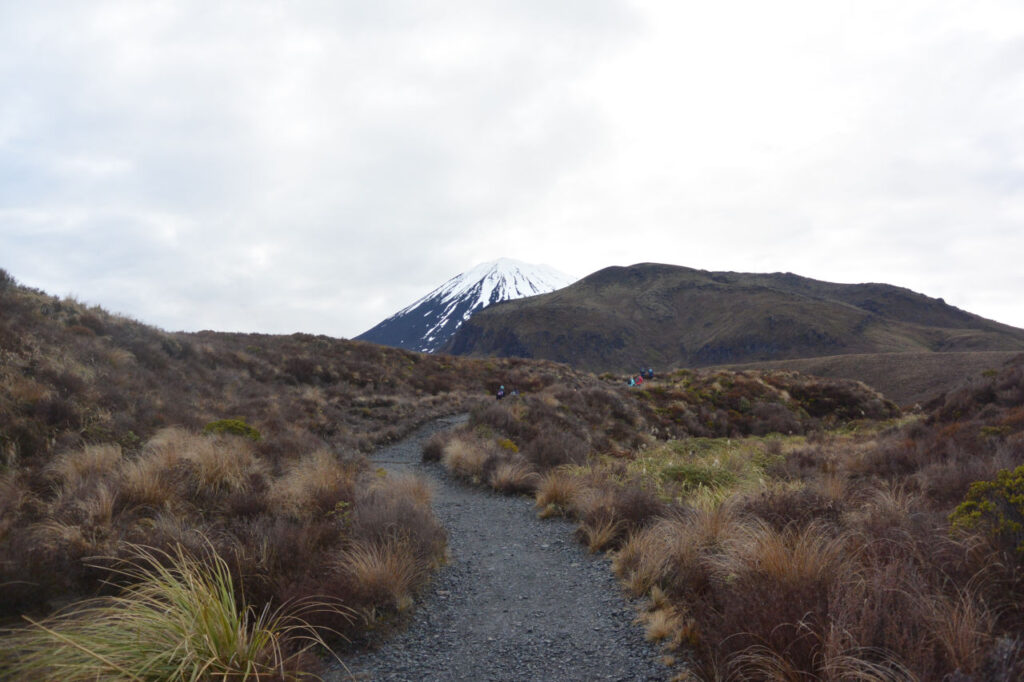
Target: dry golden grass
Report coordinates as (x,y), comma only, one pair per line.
(833,487)
(385,569)
(660,624)
(600,533)
(465,459)
(675,548)
(788,557)
(52,534)
(93,461)
(143,483)
(408,487)
(99,506)
(305,480)
(964,625)
(224,462)
(217,465)
(120,357)
(514,477)
(168,446)
(557,492)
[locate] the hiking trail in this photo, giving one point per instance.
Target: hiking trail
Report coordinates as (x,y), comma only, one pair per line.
(519,599)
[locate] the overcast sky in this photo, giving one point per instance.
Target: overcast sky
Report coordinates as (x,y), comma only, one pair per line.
(317,165)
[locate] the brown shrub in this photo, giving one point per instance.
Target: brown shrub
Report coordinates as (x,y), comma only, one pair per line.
(434,447)
(553,447)
(783,507)
(382,510)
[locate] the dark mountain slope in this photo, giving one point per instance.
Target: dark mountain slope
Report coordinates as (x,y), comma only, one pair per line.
(621,318)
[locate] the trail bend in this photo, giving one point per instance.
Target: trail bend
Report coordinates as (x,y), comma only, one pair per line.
(518,600)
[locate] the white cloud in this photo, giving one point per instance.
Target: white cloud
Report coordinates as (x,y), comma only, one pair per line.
(317,166)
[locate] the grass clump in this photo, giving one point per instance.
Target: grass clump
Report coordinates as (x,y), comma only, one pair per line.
(692,477)
(177,619)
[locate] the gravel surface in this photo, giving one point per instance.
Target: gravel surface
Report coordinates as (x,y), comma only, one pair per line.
(519,599)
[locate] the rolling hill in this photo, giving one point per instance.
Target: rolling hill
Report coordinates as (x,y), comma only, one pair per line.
(623,318)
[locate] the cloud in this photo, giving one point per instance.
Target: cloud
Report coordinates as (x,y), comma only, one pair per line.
(316,166)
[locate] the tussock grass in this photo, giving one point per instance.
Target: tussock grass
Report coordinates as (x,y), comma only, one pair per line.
(514,477)
(963,624)
(465,458)
(78,468)
(178,618)
(600,533)
(660,624)
(384,571)
(557,492)
(144,482)
(789,557)
(313,485)
(408,486)
(220,463)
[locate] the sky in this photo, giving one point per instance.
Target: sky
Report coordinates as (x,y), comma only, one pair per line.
(316,165)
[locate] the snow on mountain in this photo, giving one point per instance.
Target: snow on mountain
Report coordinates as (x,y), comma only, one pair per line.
(429,322)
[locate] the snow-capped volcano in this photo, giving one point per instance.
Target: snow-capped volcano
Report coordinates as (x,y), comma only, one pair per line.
(429,322)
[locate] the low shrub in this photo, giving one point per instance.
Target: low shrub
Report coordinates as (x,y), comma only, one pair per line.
(434,447)
(997,509)
(236,427)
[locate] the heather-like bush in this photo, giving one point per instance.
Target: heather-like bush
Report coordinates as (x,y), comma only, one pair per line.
(236,427)
(997,509)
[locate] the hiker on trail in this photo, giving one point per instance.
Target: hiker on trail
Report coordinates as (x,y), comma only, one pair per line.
(501,392)
(650,373)
(632,381)
(639,379)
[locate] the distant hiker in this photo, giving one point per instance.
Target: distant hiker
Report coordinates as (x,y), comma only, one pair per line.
(632,381)
(650,373)
(639,379)
(501,392)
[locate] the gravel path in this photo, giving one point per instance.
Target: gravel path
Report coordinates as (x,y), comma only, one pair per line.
(519,599)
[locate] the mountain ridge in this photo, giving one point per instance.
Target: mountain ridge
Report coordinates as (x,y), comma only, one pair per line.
(624,317)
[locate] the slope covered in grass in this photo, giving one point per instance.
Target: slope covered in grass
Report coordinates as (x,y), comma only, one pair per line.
(103,445)
(833,539)
(906,378)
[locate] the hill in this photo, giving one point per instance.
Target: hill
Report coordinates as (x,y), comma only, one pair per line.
(813,495)
(116,432)
(622,318)
(906,378)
